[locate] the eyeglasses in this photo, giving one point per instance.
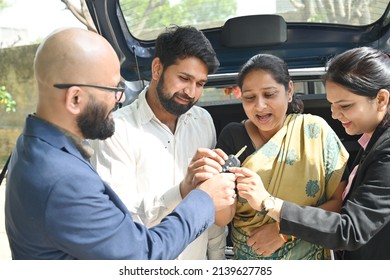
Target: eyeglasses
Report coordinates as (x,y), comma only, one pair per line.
(117,90)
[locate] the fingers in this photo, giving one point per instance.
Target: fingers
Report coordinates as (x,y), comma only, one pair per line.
(203,169)
(242,171)
(245,175)
(216,155)
(221,189)
(221,154)
(262,251)
(204,164)
(258,249)
(250,186)
(265,240)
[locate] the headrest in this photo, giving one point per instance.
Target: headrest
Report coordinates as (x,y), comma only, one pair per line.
(254,31)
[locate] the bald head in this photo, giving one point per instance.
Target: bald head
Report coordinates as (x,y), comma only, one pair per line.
(72,55)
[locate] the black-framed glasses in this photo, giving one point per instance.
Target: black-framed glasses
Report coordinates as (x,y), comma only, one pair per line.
(117,90)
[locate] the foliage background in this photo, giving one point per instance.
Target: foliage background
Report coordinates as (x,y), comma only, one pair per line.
(16,74)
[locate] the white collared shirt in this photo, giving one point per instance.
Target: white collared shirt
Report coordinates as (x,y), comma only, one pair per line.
(144,163)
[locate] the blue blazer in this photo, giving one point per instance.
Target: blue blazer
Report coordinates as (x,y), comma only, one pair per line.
(57,207)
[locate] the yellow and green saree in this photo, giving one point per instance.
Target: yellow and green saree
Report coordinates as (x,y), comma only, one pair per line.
(302,163)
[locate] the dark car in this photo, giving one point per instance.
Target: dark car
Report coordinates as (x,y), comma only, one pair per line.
(304,33)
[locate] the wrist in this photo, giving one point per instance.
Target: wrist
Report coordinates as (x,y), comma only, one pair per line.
(274,213)
(184,189)
(266,205)
(284,237)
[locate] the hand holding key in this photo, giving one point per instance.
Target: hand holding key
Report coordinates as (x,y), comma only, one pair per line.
(205,164)
(233,160)
(225,215)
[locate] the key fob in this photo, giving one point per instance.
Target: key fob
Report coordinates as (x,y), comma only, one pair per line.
(232,161)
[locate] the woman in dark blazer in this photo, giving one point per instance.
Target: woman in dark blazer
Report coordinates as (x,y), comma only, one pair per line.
(358,87)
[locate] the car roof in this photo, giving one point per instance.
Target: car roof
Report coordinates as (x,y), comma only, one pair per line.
(302,42)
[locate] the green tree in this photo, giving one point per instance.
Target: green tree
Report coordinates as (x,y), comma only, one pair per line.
(6,100)
(205,10)
(150,16)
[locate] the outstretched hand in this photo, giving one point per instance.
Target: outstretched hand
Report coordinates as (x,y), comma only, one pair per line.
(221,189)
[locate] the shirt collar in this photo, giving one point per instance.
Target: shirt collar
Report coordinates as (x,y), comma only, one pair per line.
(363,140)
(146,113)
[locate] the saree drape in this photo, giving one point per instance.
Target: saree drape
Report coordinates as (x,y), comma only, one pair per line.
(302,163)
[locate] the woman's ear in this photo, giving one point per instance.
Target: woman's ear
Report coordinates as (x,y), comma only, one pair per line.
(74,100)
(383,100)
(290,91)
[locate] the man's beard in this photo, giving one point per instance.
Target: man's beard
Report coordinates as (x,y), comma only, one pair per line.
(169,103)
(94,123)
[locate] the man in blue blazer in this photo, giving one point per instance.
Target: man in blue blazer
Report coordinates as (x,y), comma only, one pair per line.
(57,206)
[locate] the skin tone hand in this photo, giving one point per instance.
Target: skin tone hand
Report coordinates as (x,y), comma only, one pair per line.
(221,189)
(265,240)
(205,164)
(250,186)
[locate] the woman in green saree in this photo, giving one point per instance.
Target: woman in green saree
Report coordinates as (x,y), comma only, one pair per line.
(298,157)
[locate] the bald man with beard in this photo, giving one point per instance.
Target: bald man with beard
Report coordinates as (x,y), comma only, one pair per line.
(57,206)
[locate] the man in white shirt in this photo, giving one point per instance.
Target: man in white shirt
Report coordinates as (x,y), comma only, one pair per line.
(158,134)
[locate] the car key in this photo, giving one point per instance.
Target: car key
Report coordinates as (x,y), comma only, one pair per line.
(233,161)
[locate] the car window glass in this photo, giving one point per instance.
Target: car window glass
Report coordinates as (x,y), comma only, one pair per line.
(145,21)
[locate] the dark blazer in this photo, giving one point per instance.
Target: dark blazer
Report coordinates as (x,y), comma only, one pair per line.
(57,207)
(362,229)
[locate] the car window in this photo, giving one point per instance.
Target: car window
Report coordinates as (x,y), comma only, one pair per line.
(307,81)
(145,19)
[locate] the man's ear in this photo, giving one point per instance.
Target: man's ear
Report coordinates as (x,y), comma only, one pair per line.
(383,99)
(157,69)
(74,100)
